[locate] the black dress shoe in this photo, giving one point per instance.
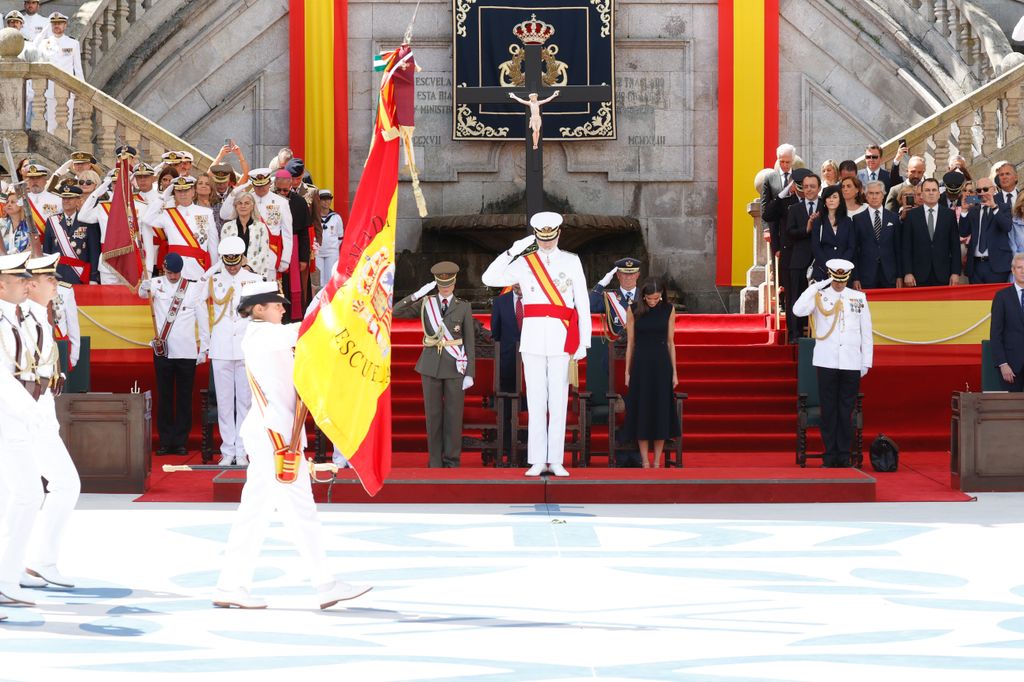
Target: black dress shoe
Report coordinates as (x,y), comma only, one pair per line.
(179,451)
(163,451)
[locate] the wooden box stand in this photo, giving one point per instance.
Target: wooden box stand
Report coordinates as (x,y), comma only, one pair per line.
(986,434)
(110,438)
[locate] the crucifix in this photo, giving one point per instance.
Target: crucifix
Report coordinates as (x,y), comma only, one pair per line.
(533,33)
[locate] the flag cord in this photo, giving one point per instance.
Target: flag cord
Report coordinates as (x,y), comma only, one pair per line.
(111,331)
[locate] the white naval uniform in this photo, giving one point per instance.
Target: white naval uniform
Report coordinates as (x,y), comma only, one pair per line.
(66,54)
(851,345)
(34,26)
(227,330)
(269,355)
(20,488)
(330,243)
(274,211)
(47,448)
(542,344)
(200,221)
(182,338)
(65,319)
(47,203)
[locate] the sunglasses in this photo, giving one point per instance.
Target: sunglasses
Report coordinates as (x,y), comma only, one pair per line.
(85,183)
(983,189)
(282,190)
(871,156)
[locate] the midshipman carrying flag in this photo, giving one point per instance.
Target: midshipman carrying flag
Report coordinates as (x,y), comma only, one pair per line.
(122,246)
(345,339)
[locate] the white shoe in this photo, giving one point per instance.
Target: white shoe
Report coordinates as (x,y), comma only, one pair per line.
(12,594)
(536,469)
(226,461)
(242,461)
(340,591)
(238,599)
(558,470)
(50,574)
(31,581)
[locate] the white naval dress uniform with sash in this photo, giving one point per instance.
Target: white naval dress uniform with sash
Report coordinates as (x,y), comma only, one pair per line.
(227,329)
(45,203)
(65,320)
(46,448)
(20,487)
(66,54)
(544,339)
(269,351)
(96,209)
(190,231)
(843,353)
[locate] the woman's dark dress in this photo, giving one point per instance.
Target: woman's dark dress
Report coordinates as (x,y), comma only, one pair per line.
(650,404)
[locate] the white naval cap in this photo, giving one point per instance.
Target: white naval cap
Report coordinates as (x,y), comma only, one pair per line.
(186,156)
(839,269)
(14,264)
(230,247)
(43,265)
(254,293)
(546,225)
(260,176)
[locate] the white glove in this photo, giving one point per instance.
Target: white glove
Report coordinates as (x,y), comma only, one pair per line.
(283,267)
(467,383)
(201,358)
(824,284)
(424,290)
(521,245)
(580,353)
(607,279)
(144,285)
(864,371)
(92,282)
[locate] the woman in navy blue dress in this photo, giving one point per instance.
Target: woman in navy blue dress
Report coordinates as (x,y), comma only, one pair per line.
(831,233)
(651,372)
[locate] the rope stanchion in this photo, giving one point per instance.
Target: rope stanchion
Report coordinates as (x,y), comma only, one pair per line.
(931,342)
(111,331)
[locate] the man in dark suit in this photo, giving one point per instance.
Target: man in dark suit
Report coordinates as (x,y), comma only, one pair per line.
(799,236)
(989,225)
(777,183)
(506,325)
(78,243)
(930,242)
(876,238)
(447,364)
(873,169)
(1005,175)
(1007,330)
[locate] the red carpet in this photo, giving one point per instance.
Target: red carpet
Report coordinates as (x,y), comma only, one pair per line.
(740,413)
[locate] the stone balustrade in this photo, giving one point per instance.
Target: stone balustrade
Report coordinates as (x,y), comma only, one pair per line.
(983,127)
(971,32)
(108,24)
(99,123)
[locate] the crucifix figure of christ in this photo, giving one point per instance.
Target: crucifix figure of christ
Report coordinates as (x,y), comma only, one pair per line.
(533,87)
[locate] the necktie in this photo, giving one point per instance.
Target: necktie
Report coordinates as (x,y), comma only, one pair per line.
(874,176)
(878,225)
(519,311)
(982,242)
(629,298)
(1022,300)
(1008,202)
(444,306)
(810,207)
(785,179)
(931,223)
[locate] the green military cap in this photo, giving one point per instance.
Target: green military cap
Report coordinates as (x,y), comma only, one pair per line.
(444,273)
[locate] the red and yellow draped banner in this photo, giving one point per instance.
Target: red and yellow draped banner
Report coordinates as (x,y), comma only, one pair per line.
(318,60)
(343,357)
(748,123)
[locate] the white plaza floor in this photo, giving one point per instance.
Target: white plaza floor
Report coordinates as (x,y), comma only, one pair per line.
(501,593)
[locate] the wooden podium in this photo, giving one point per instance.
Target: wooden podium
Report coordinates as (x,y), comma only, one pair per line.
(986,434)
(110,437)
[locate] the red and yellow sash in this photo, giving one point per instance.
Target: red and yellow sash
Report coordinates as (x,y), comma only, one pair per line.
(191,246)
(276,246)
(556,307)
(37,218)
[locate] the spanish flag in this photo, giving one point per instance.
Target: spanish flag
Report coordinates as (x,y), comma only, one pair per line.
(343,357)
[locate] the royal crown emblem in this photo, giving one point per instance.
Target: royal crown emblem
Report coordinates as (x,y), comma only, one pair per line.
(533,31)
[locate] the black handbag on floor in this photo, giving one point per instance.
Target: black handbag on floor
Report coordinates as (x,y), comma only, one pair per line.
(885,454)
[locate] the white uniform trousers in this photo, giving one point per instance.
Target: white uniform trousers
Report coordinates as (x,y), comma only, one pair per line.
(234,398)
(63,486)
(22,492)
(547,396)
(326,261)
(260,496)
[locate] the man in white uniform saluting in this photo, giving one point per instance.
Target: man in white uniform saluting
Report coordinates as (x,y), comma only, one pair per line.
(556,329)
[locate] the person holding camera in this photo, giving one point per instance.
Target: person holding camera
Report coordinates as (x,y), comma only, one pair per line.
(988,227)
(876,240)
(915,174)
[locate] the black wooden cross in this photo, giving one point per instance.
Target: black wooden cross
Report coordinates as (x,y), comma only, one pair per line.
(533,72)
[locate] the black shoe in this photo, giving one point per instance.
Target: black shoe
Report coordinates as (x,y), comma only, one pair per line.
(179,451)
(164,451)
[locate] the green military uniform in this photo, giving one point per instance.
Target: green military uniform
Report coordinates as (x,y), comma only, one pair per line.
(445,376)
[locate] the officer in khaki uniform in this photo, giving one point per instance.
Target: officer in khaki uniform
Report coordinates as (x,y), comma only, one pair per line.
(448,361)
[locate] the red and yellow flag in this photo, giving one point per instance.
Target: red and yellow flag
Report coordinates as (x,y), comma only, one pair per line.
(122,248)
(343,357)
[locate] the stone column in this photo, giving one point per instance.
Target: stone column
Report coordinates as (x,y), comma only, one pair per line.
(12,90)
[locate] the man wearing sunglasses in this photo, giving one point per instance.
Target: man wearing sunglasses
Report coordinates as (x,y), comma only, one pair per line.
(874,170)
(988,224)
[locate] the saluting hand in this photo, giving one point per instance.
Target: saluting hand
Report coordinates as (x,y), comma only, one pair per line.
(424,290)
